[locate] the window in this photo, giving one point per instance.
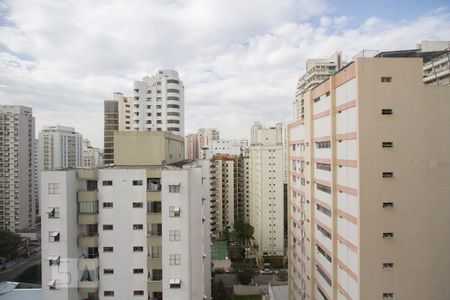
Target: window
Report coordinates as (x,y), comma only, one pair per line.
(138,204)
(138,226)
(91,185)
(53,213)
(108,271)
(174,235)
(174,211)
(155,229)
(138,293)
(386,79)
(108,293)
(155,251)
(324,231)
(174,188)
(138,271)
(137,182)
(107,182)
(174,259)
(386,111)
(107,205)
(321,166)
(388,295)
(388,174)
(323,188)
(324,210)
(323,145)
(175,283)
(88,207)
(173,91)
(172,81)
(173,106)
(156,274)
(388,235)
(154,207)
(321,251)
(324,275)
(107,227)
(138,249)
(53,188)
(154,184)
(388,204)
(53,236)
(388,144)
(108,249)
(388,266)
(54,260)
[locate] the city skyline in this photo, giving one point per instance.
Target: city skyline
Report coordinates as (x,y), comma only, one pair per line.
(56,63)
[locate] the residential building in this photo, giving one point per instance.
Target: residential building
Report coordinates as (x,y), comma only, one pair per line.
(317,70)
(92,157)
(117,117)
(204,137)
(191,144)
(87,210)
(59,147)
(366,162)
(186,238)
(232,147)
(18,201)
(266,190)
(158,103)
(227,192)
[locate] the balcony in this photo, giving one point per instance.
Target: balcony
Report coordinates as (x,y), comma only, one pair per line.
(87,196)
(89,263)
(87,219)
(154,196)
(86,241)
(87,174)
(154,263)
(153,218)
(88,286)
(154,286)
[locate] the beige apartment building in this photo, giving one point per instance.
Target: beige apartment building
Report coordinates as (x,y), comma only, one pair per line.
(369,185)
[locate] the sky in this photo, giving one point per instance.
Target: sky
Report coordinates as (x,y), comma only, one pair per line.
(239,60)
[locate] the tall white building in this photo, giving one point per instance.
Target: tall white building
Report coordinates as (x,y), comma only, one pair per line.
(204,137)
(92,157)
(107,228)
(266,190)
(18,201)
(158,103)
(186,263)
(60,147)
(232,147)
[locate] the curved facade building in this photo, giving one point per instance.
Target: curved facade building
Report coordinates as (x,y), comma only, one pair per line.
(158,103)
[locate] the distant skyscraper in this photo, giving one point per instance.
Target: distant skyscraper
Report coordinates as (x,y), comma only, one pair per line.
(111,125)
(92,157)
(18,201)
(158,103)
(60,147)
(191,146)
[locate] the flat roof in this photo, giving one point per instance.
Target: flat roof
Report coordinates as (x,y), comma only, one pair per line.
(219,250)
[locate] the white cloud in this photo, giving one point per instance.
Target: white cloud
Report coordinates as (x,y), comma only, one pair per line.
(239,60)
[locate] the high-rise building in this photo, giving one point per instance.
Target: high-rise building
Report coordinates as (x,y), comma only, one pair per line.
(317,70)
(117,117)
(18,201)
(231,147)
(119,225)
(368,193)
(191,144)
(266,190)
(158,103)
(60,147)
(227,192)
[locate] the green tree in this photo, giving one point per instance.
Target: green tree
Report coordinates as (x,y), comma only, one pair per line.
(242,232)
(30,275)
(9,244)
(219,292)
(245,275)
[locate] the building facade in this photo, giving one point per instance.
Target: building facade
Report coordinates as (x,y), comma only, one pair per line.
(227,192)
(60,147)
(18,195)
(191,144)
(204,137)
(108,225)
(267,190)
(363,164)
(158,103)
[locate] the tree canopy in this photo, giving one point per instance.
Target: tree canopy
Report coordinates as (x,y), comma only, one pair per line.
(242,232)
(9,244)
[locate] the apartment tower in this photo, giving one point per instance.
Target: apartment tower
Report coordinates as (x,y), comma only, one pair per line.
(18,195)
(368,191)
(266,190)
(60,147)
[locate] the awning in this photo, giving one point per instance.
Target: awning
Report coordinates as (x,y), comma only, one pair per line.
(53,257)
(52,283)
(176,209)
(175,281)
(54,234)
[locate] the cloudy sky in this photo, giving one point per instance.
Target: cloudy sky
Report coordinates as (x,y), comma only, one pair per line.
(239,59)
